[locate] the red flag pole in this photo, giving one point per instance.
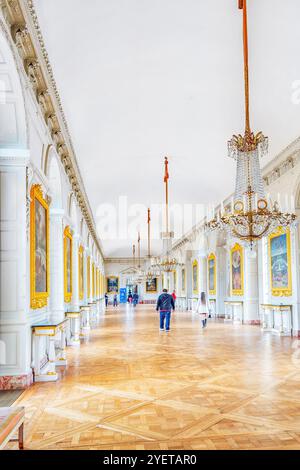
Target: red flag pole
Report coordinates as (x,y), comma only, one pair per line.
(243,6)
(133,253)
(149,220)
(139,250)
(166,179)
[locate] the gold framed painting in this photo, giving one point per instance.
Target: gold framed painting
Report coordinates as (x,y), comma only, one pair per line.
(151,286)
(39,248)
(195,277)
(80,273)
(279,244)
(183,281)
(212,274)
(175,280)
(68,241)
(112,284)
(237,270)
(93,280)
(88,267)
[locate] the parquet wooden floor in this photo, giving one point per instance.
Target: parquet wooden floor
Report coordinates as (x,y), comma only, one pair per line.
(130,386)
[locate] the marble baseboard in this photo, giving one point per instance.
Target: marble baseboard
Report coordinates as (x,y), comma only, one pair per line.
(16,382)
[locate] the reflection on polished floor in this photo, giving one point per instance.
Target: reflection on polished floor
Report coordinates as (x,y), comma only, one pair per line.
(131,387)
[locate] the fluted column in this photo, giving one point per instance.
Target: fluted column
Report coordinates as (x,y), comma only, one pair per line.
(57,265)
(251,299)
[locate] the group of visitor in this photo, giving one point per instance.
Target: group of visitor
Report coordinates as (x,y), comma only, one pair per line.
(133,299)
(165,305)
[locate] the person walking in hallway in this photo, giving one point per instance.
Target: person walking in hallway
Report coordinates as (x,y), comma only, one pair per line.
(135,299)
(202,309)
(174,295)
(115,300)
(165,305)
(106,299)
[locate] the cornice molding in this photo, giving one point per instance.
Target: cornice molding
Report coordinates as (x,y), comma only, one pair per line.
(123,261)
(22,22)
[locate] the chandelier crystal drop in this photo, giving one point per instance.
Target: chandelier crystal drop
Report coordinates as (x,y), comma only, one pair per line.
(251,216)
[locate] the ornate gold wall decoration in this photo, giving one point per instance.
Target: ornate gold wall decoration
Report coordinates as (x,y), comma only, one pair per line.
(39,248)
(280,267)
(237,270)
(93,280)
(175,279)
(212,274)
(68,274)
(80,273)
(88,267)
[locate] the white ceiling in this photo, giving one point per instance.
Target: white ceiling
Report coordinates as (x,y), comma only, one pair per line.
(140,79)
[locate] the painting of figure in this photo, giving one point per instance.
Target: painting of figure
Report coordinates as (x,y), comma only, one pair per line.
(112,284)
(237,270)
(279,254)
(151,285)
(40,248)
(211,274)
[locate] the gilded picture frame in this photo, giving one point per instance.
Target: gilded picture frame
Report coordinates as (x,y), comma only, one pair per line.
(237,270)
(93,281)
(88,277)
(39,249)
(112,283)
(195,277)
(212,274)
(98,283)
(68,275)
(175,280)
(183,280)
(280,265)
(80,272)
(151,286)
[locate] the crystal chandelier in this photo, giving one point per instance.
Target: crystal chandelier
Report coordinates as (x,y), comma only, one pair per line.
(251,216)
(166,263)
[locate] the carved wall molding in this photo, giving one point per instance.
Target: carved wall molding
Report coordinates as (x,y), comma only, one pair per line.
(282,168)
(23,25)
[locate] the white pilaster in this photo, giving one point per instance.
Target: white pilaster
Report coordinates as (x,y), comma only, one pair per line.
(251,298)
(56,265)
(15,333)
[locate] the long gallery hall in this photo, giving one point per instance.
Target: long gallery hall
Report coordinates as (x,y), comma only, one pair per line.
(149,235)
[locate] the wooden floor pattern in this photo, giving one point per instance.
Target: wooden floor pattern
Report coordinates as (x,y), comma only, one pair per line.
(130,386)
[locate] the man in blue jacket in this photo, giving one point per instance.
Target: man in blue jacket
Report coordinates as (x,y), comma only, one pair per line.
(165,304)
